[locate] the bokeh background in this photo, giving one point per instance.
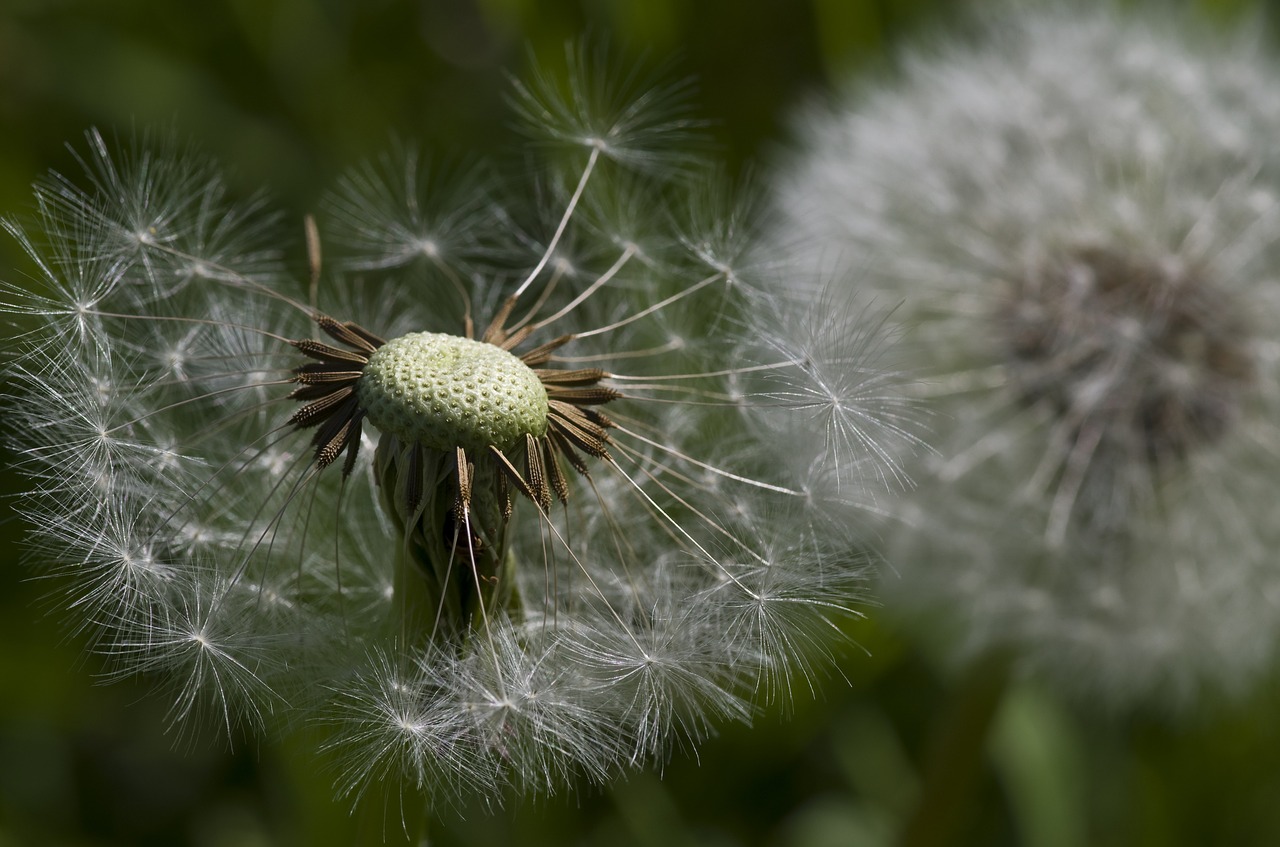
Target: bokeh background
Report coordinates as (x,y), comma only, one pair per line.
(290,92)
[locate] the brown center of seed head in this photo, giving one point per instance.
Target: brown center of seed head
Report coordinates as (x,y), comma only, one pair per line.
(1147,359)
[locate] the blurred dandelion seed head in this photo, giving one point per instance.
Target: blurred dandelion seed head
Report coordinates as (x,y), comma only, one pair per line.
(492,496)
(1078,212)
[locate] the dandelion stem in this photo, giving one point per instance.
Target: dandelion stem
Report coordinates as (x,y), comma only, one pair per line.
(420,610)
(954,764)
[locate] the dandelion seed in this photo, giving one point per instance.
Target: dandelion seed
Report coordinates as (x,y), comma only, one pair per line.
(1080,218)
(482,494)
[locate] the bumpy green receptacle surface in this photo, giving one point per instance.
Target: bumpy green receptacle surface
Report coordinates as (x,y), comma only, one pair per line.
(445,391)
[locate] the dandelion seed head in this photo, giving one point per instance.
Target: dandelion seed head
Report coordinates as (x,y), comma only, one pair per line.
(485,497)
(1077,215)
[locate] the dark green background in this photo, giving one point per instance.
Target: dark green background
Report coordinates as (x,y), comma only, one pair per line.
(289,93)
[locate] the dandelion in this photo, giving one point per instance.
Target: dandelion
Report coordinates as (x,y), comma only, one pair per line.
(490,492)
(1079,215)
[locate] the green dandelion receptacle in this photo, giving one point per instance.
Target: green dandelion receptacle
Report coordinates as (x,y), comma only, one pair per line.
(445,391)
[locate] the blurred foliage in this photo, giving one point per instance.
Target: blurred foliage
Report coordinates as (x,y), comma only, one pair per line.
(291,91)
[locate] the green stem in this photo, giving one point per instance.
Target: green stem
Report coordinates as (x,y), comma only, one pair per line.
(417,597)
(955,760)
